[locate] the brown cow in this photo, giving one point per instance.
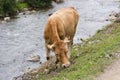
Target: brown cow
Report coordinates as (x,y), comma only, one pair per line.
(60,27)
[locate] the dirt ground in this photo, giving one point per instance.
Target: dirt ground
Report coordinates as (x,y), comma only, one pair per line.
(112,72)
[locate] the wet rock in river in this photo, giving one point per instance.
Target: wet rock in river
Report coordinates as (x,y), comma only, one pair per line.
(6,18)
(33,11)
(33,58)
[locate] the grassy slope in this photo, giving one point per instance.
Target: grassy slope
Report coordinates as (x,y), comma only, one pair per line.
(94,55)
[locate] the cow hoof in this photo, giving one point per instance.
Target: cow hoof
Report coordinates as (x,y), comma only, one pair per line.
(46,71)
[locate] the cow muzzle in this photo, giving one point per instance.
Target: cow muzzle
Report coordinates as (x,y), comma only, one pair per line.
(66,65)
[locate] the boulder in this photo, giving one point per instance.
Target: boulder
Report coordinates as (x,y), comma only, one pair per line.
(33,58)
(6,18)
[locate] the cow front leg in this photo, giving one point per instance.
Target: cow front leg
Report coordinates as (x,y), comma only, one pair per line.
(48,58)
(69,49)
(46,68)
(57,64)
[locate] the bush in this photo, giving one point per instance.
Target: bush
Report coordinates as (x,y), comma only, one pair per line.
(8,7)
(1,10)
(39,3)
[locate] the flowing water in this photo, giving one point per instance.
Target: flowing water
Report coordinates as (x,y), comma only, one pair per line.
(23,36)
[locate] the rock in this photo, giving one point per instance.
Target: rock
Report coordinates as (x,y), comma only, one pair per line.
(34,71)
(21,13)
(3,22)
(33,58)
(27,12)
(107,56)
(6,18)
(117,20)
(40,62)
(94,42)
(33,11)
(58,1)
(107,19)
(27,70)
(25,9)
(50,14)
(113,13)
(24,13)
(112,18)
(117,14)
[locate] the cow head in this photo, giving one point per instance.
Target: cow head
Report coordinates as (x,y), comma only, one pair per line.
(61,50)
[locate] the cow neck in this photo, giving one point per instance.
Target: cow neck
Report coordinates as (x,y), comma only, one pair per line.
(56,38)
(54,31)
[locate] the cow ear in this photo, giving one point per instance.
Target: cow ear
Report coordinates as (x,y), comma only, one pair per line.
(66,40)
(51,46)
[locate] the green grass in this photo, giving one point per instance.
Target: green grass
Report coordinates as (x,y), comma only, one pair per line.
(95,54)
(21,5)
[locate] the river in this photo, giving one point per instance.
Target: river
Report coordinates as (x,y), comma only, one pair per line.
(23,36)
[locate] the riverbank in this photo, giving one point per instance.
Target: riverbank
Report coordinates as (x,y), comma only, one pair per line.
(90,58)
(10,9)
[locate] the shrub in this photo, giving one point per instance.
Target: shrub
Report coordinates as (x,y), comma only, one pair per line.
(39,3)
(7,7)
(1,11)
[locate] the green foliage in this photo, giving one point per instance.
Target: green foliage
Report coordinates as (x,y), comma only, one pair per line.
(1,9)
(7,7)
(39,3)
(21,5)
(10,7)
